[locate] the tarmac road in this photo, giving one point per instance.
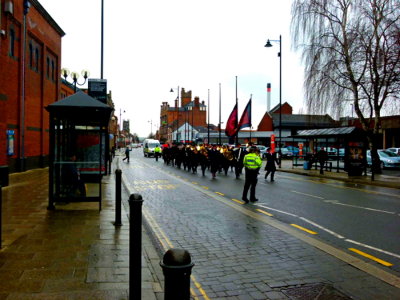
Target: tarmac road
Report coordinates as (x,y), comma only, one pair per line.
(242,251)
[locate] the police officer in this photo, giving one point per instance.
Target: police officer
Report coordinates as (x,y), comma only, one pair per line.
(252,164)
(157,152)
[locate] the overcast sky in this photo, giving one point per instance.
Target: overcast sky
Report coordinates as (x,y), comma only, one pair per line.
(153,46)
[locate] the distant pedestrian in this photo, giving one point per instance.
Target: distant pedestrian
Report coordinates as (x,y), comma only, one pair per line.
(270,166)
(252,164)
(127,150)
(322,157)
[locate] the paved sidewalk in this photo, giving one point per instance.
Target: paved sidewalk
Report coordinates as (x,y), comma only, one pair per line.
(379,180)
(74,252)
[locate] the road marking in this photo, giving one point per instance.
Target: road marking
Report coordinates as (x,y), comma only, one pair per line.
(336,252)
(304,229)
(204,187)
(308,195)
(280,211)
(264,212)
(238,201)
(373,248)
(194,182)
(336,182)
(322,228)
(220,193)
(382,262)
(360,207)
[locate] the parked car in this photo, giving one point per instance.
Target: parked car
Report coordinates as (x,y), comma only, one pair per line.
(285,152)
(295,151)
(395,150)
(388,159)
(263,150)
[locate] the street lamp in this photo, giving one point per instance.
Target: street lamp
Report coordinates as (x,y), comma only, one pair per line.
(151,128)
(75,76)
(177,112)
(268,45)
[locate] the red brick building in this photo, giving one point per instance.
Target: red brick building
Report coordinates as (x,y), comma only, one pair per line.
(30,59)
(189,111)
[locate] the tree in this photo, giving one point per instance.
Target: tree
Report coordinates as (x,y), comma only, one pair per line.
(351,51)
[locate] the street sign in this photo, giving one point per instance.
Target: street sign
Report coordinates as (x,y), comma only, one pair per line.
(97,88)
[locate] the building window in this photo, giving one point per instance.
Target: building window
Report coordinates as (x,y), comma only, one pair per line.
(12,42)
(30,55)
(52,70)
(37,59)
(48,67)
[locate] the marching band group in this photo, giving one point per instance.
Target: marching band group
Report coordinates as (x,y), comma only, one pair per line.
(216,158)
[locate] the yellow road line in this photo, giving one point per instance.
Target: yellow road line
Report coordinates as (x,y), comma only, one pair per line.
(238,201)
(204,187)
(220,193)
(194,182)
(264,212)
(304,229)
(382,262)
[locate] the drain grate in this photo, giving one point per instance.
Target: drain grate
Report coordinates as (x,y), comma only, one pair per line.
(319,291)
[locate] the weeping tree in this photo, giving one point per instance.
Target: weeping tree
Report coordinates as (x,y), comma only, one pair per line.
(351,52)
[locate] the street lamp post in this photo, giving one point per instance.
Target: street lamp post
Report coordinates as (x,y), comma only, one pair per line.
(151,128)
(268,44)
(177,112)
(75,76)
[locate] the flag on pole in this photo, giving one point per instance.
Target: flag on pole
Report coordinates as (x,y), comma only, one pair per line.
(245,120)
(231,129)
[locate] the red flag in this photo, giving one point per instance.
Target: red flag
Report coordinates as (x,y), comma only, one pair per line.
(245,120)
(231,129)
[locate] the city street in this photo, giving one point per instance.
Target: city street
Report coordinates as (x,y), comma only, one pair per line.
(278,243)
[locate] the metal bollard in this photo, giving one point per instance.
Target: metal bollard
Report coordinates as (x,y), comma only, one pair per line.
(118,176)
(135,246)
(177,267)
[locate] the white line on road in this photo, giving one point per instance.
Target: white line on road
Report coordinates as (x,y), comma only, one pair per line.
(322,228)
(274,209)
(373,248)
(307,195)
(360,207)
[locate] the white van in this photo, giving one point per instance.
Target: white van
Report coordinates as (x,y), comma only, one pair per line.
(149,145)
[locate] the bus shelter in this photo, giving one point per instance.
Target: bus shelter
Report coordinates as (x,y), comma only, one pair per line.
(346,147)
(77,154)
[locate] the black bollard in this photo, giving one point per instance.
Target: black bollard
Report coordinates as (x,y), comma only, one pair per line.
(177,267)
(135,246)
(118,176)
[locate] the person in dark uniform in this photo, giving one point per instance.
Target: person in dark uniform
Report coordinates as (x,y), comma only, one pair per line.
(322,157)
(252,164)
(270,166)
(127,150)
(239,154)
